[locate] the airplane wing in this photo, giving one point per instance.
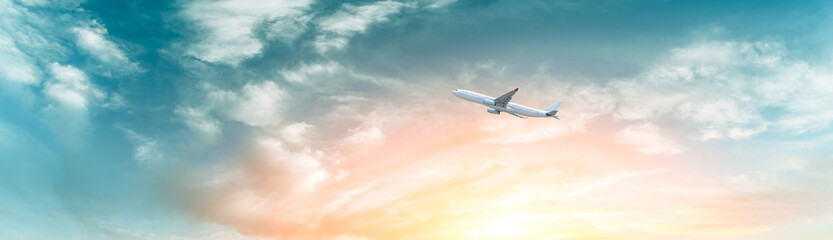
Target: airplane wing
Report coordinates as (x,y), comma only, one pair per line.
(516,115)
(505,98)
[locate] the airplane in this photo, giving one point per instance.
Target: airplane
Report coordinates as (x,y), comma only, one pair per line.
(501,104)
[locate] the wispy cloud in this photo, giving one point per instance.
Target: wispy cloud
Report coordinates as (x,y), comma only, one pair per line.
(199,120)
(227,29)
(255,104)
(146,149)
(303,72)
(93,39)
(350,20)
(15,65)
(296,132)
(722,87)
(70,87)
(647,138)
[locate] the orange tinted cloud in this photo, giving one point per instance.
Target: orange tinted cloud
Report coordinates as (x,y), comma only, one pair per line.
(452,182)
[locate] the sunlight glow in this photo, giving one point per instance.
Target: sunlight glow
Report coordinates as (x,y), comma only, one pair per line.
(501,227)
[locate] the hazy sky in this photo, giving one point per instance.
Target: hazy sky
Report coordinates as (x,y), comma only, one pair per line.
(250,119)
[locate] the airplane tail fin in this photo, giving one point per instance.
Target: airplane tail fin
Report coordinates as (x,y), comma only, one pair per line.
(553,109)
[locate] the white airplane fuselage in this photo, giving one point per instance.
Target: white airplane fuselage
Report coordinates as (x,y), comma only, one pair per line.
(510,107)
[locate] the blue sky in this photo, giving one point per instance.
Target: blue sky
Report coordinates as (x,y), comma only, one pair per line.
(243,119)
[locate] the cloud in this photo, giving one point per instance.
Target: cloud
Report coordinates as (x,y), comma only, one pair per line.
(724,87)
(199,120)
(253,191)
(287,29)
(71,88)
(365,136)
(66,4)
(258,104)
(304,72)
(23,43)
(296,132)
(438,3)
(15,66)
(146,149)
(31,39)
(703,83)
(363,141)
(797,88)
(70,95)
(227,28)
(337,29)
(94,39)
(648,139)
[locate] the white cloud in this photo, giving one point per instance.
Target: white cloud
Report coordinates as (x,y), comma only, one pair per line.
(69,95)
(114,101)
(438,3)
(146,149)
(31,38)
(296,132)
(302,73)
(801,89)
(15,66)
(198,119)
(366,135)
(258,105)
(287,29)
(33,41)
(648,139)
(350,20)
(304,165)
(71,87)
(24,40)
(66,4)
(723,87)
(94,40)
(228,27)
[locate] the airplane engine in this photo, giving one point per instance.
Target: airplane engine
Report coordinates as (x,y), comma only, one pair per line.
(488,102)
(492,111)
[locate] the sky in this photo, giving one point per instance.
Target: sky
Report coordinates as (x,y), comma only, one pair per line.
(305,119)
